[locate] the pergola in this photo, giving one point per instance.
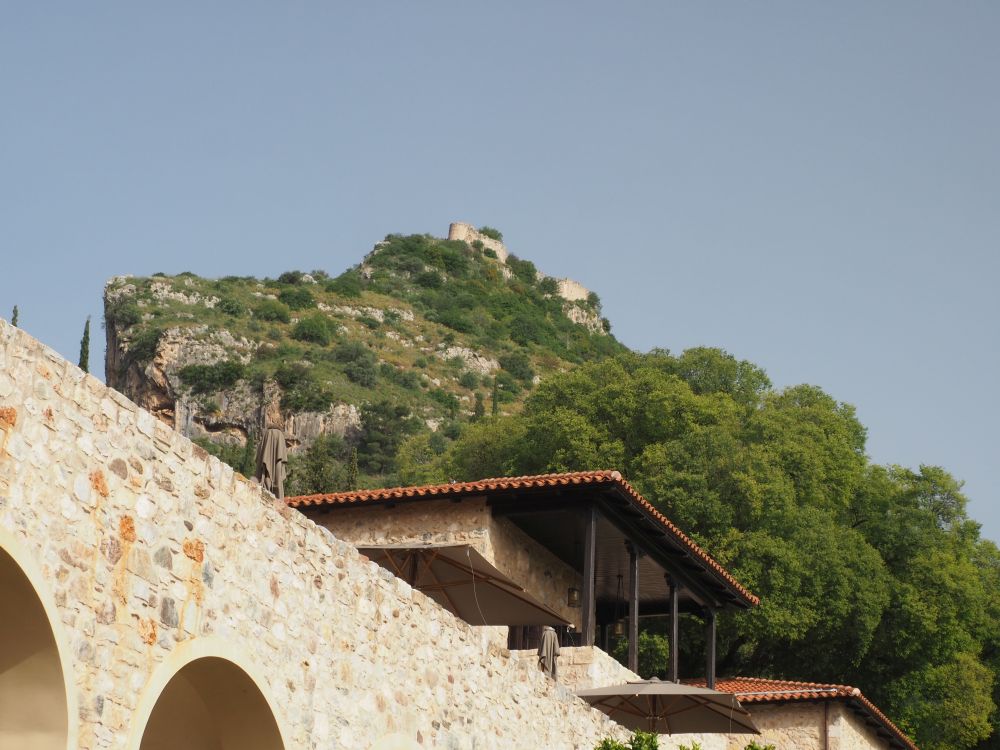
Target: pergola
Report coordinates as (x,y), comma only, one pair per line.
(600,526)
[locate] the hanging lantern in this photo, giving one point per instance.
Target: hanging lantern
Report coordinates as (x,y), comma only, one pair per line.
(618,627)
(573,597)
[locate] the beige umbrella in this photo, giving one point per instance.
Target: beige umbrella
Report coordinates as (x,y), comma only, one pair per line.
(462,581)
(671,708)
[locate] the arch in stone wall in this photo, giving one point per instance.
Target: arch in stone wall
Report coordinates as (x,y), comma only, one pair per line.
(36,696)
(201,698)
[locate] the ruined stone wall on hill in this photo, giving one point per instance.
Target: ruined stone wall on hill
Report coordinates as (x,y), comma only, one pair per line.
(150,556)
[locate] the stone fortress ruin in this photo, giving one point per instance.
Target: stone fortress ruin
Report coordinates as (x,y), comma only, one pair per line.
(569,290)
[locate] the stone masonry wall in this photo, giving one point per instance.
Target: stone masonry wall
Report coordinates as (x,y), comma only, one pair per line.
(514,553)
(151,550)
(582,667)
(468,233)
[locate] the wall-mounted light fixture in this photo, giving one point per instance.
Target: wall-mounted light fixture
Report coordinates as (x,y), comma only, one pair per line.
(573,597)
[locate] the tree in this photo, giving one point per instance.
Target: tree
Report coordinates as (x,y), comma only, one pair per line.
(13,317)
(85,347)
(868,575)
(479,410)
(352,470)
(495,398)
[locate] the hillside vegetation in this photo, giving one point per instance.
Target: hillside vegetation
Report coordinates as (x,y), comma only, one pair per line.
(423,336)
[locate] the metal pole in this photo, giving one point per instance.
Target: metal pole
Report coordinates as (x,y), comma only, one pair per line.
(633,608)
(710,648)
(672,672)
(589,613)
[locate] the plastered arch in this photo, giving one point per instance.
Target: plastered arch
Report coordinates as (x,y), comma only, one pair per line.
(25,560)
(180,657)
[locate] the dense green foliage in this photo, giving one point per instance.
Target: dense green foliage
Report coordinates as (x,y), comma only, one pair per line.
(868,575)
(638,741)
(13,316)
(211,378)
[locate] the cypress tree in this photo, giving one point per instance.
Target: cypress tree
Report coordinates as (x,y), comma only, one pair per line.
(13,318)
(495,405)
(480,409)
(352,470)
(85,347)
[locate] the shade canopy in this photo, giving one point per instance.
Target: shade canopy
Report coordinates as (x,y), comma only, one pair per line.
(462,581)
(671,708)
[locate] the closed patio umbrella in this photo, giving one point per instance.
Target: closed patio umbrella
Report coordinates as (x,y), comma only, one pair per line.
(462,581)
(671,708)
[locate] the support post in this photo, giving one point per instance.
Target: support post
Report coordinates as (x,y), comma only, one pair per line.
(588,628)
(674,630)
(633,608)
(710,648)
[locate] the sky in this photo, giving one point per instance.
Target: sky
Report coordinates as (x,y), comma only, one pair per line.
(814,187)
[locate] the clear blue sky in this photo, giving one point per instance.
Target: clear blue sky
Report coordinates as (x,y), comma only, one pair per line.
(813,187)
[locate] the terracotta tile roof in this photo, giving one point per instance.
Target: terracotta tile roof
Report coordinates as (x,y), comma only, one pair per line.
(759,690)
(500,484)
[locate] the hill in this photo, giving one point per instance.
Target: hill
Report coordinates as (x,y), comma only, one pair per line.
(423,335)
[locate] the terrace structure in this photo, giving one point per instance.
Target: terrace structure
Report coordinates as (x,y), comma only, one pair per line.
(586,548)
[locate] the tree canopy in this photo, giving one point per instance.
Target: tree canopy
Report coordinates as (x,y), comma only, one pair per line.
(870,575)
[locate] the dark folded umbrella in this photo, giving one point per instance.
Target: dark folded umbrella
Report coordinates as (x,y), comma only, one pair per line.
(671,708)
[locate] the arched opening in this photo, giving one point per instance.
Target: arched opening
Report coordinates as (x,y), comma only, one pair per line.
(33,713)
(211,704)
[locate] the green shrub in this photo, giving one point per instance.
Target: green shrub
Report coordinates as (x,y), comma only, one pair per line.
(429,280)
(301,390)
(505,386)
(123,312)
(297,298)
(469,380)
(593,300)
(445,399)
(315,329)
(211,378)
(290,277)
(548,285)
(348,284)
(231,306)
(349,351)
(518,365)
(369,322)
(362,372)
(142,347)
(420,362)
(493,234)
(523,269)
(490,253)
(271,309)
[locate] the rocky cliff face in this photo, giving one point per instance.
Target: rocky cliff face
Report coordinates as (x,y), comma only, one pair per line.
(228,416)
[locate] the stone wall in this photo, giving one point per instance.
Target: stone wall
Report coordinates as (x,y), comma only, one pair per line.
(468,521)
(573,291)
(468,233)
(149,554)
(582,667)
